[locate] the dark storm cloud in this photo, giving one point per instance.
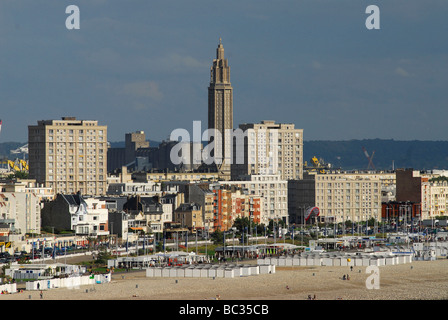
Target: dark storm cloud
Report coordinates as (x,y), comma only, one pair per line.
(144,65)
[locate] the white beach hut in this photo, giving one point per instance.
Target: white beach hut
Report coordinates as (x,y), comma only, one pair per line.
(166,272)
(157,272)
(365,261)
(173,272)
(229,273)
(327,261)
(189,272)
(254,270)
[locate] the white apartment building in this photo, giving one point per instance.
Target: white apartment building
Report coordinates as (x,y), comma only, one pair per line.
(274,193)
(96,218)
(268,149)
(340,196)
(69,155)
(355,197)
(434,199)
(20,213)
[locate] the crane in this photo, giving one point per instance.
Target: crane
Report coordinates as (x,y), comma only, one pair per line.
(23,149)
(369,158)
(317,165)
(15,165)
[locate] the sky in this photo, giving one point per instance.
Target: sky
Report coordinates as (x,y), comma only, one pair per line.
(145,65)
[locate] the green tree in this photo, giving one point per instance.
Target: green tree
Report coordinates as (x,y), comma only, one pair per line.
(371,222)
(159,246)
(241,223)
(217,237)
(18,175)
(102,257)
(278,223)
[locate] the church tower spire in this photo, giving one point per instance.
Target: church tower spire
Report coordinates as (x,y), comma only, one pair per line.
(220,107)
(220,71)
(220,50)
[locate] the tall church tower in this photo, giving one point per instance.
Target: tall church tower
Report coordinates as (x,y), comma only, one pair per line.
(220,110)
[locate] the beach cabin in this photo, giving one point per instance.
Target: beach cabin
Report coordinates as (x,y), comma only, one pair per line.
(173,272)
(204,271)
(212,272)
(254,270)
(296,261)
(281,261)
(220,272)
(310,260)
(365,261)
(229,273)
(150,272)
(327,261)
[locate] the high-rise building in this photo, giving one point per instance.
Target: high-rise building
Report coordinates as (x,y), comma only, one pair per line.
(269,148)
(340,196)
(273,192)
(220,110)
(133,142)
(136,145)
(69,155)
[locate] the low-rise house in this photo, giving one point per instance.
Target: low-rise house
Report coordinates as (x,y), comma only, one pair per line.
(87,216)
(148,213)
(189,215)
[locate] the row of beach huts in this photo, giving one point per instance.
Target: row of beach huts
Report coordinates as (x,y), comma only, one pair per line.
(339,259)
(210,271)
(54,283)
(267,265)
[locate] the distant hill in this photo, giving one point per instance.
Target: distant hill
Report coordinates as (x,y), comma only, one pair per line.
(6,147)
(349,154)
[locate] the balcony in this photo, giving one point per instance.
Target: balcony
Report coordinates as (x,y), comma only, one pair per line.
(8,221)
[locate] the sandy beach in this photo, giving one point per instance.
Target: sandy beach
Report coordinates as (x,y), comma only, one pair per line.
(419,280)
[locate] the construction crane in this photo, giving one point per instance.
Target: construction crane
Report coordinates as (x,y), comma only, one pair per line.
(317,165)
(18,165)
(24,165)
(23,149)
(369,158)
